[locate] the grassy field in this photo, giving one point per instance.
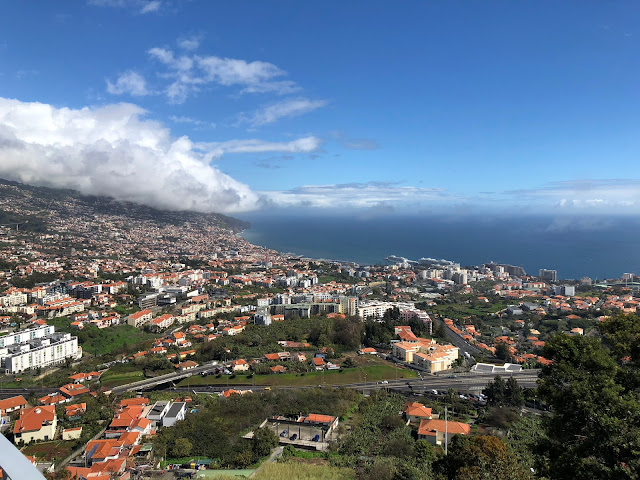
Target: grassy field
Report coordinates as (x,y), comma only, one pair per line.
(224,474)
(350,375)
(277,471)
(102,341)
(121,374)
(458,311)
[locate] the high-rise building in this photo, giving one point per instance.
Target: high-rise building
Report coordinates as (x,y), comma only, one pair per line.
(548,275)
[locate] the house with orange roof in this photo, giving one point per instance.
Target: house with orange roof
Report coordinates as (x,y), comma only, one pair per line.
(71,390)
(434,430)
(239,365)
(53,399)
(318,363)
(75,409)
(367,351)
(278,369)
(8,405)
(328,422)
(98,451)
(129,439)
(36,424)
(129,402)
(228,393)
(142,426)
(162,322)
(188,365)
(544,361)
(179,337)
(415,412)
(138,319)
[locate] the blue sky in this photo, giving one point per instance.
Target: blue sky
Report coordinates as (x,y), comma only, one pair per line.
(473,106)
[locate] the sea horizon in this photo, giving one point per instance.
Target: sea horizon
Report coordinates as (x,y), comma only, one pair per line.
(576,247)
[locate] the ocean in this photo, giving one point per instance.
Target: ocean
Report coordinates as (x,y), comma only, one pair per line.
(597,247)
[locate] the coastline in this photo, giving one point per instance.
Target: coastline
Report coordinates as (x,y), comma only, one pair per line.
(573,253)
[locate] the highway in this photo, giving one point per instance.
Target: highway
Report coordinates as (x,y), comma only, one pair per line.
(464,382)
(471,383)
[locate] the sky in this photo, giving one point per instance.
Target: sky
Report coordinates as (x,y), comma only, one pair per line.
(381,107)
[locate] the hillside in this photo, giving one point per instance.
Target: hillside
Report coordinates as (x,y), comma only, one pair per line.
(32,206)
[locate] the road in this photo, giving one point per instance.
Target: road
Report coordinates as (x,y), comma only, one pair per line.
(463,383)
(460,342)
(466,382)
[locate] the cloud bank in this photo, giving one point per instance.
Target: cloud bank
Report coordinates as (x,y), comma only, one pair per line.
(113,150)
(367,195)
(599,195)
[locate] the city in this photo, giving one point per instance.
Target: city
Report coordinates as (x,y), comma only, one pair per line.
(109,344)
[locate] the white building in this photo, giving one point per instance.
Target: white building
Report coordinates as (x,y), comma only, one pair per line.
(374,310)
(13,298)
(26,335)
(40,352)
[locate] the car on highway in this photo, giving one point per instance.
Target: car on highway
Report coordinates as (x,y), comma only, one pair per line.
(384,382)
(452,376)
(293,437)
(434,392)
(284,433)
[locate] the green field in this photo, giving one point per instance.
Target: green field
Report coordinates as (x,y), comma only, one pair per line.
(459,311)
(277,471)
(121,375)
(106,340)
(224,474)
(351,375)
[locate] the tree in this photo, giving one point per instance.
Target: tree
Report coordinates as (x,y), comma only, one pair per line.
(181,448)
(263,441)
(481,457)
(496,392)
(424,452)
(502,351)
(594,431)
(514,393)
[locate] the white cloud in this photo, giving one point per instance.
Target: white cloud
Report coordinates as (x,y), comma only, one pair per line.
(301,145)
(291,107)
(359,195)
(191,121)
(140,6)
(189,72)
(601,195)
(152,6)
(131,83)
(189,43)
(113,150)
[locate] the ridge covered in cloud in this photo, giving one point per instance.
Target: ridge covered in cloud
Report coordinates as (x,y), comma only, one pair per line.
(113,150)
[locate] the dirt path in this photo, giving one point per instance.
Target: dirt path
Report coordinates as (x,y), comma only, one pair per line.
(272,458)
